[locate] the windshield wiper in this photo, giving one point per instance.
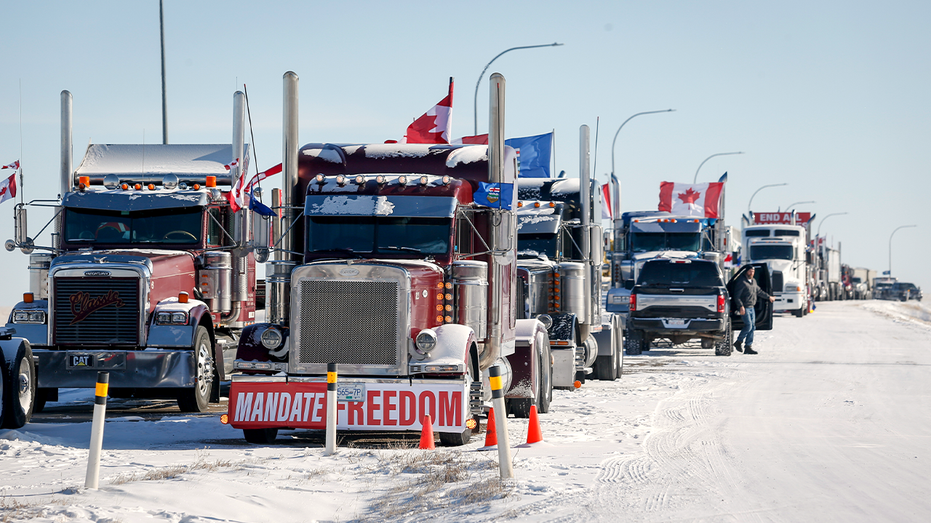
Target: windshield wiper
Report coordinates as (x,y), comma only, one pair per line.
(402,248)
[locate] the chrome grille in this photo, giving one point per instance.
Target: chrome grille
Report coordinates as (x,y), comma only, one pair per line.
(350,322)
(114,311)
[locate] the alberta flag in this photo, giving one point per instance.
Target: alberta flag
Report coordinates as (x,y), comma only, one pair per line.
(700,199)
(534,153)
(497,195)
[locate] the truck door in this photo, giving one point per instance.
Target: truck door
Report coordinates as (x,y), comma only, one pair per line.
(764,309)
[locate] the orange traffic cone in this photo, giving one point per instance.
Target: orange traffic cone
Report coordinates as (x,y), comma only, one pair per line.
(533,429)
(491,437)
(426,435)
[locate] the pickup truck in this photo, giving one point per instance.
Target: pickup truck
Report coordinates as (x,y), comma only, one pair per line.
(686,299)
(903,291)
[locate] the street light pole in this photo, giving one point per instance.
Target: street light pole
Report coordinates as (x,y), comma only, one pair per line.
(615,184)
(475,98)
(708,158)
(825,218)
(792,206)
(758,190)
(890,245)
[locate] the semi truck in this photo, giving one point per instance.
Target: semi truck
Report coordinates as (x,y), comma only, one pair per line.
(397,263)
(780,241)
(560,247)
(148,275)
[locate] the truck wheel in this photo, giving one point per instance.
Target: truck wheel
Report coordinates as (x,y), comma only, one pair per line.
(799,313)
(19,387)
(455,440)
(42,397)
(197,399)
(725,347)
(545,391)
(260,436)
(634,343)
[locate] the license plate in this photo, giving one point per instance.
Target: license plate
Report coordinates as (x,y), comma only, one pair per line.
(81,360)
(678,323)
(354,392)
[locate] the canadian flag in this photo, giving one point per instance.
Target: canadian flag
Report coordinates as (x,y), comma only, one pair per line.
(8,188)
(433,126)
(14,165)
(606,202)
(701,199)
(258,177)
(237,194)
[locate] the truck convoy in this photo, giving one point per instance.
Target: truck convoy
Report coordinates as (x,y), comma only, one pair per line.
(397,263)
(559,251)
(780,241)
(149,274)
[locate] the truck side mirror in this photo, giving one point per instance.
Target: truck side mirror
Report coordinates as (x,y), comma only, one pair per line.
(260,237)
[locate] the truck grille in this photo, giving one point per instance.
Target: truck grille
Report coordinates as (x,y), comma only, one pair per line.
(96,311)
(350,322)
(777,281)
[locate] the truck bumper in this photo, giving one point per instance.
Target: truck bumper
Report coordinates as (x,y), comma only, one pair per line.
(385,405)
(669,326)
(789,301)
(153,368)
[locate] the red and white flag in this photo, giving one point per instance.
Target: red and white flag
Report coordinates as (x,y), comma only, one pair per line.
(434,125)
(258,177)
(237,194)
(606,202)
(700,199)
(14,165)
(8,187)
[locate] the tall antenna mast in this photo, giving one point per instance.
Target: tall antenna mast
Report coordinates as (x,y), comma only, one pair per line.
(161,21)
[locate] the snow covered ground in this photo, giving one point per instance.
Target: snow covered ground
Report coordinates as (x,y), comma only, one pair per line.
(828,423)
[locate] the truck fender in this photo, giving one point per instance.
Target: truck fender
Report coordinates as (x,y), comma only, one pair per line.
(452,344)
(36,333)
(524,376)
(178,336)
(250,346)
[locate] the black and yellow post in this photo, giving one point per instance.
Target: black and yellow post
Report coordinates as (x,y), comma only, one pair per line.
(96,443)
(330,409)
(501,418)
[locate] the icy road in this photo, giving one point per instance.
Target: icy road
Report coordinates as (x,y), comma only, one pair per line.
(830,422)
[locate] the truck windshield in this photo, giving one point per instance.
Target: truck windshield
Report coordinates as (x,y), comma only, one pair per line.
(375,234)
(771,252)
(670,241)
(161,226)
(684,274)
(533,245)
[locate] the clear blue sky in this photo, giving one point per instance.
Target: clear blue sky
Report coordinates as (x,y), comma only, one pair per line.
(830,97)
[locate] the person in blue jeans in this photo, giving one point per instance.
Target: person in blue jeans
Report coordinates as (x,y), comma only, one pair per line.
(746,292)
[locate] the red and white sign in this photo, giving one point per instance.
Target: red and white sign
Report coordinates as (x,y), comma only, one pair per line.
(384,406)
(606,202)
(698,199)
(764,218)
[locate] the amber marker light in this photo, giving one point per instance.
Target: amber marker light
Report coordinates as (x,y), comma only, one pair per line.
(577,384)
(138,187)
(28,297)
(125,186)
(182,297)
(225,419)
(471,424)
(151,186)
(196,186)
(211,181)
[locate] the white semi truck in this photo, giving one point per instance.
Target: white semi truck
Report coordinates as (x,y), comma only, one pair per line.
(782,246)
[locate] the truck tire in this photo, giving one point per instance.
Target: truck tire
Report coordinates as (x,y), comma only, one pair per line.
(197,399)
(43,396)
(19,387)
(619,349)
(606,367)
(545,392)
(634,343)
(260,436)
(455,440)
(725,346)
(799,313)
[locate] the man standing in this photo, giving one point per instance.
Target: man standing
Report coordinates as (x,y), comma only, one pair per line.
(746,292)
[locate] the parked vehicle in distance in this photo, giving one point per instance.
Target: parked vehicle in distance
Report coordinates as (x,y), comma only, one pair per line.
(686,299)
(903,291)
(882,286)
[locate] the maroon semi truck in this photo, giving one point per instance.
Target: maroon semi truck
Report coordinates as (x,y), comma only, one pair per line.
(149,276)
(402,271)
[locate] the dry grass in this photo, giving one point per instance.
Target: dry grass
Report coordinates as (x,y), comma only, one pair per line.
(12,509)
(175,471)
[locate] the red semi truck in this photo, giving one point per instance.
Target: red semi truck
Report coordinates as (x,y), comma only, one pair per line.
(402,271)
(149,275)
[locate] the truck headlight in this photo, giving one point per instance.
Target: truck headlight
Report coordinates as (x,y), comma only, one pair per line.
(546,320)
(271,338)
(171,318)
(28,316)
(426,341)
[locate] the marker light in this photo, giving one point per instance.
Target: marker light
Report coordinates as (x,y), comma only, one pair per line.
(28,297)
(211,181)
(182,297)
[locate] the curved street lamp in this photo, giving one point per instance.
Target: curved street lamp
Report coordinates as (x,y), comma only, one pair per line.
(475,103)
(890,245)
(760,189)
(708,158)
(616,204)
(825,218)
(792,206)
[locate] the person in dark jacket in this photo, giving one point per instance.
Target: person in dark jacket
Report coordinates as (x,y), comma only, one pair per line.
(746,292)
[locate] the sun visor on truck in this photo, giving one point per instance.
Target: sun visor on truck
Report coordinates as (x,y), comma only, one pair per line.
(134,200)
(668,226)
(537,221)
(368,205)
(149,163)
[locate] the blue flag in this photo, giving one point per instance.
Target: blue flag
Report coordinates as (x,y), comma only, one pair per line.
(259,207)
(497,195)
(535,152)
